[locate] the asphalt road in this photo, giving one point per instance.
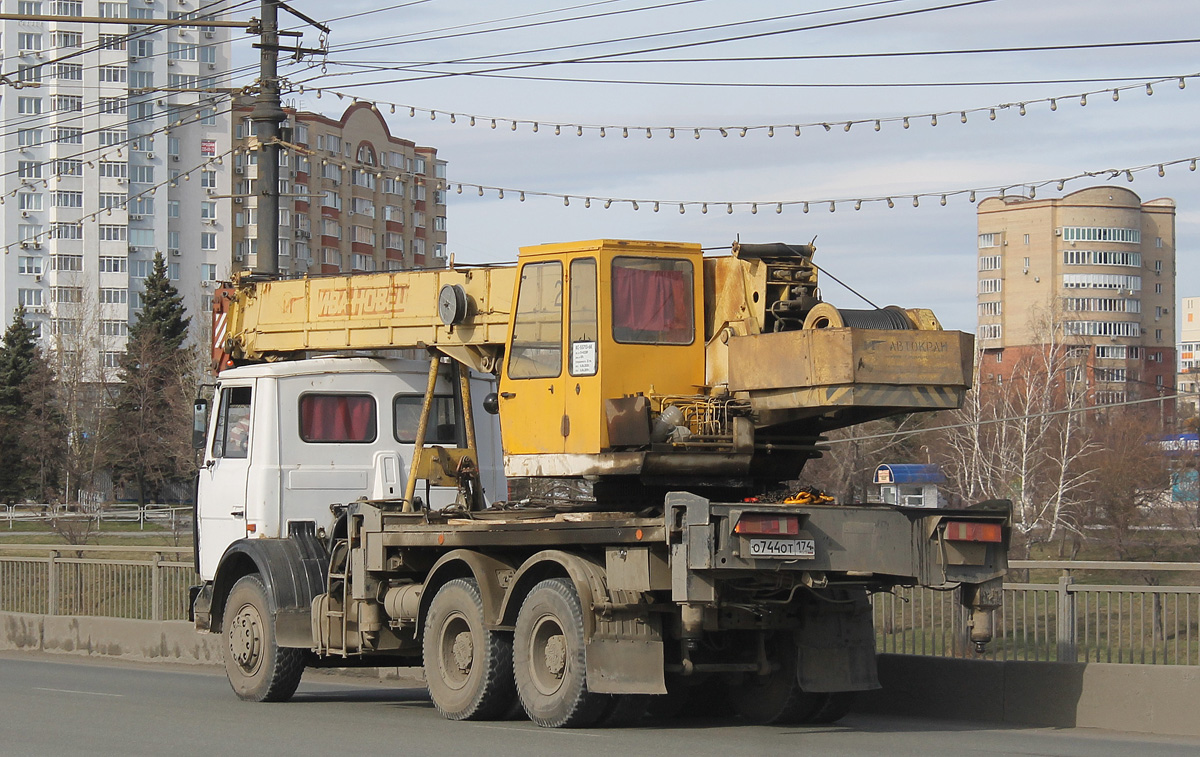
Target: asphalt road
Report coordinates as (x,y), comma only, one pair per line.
(55,706)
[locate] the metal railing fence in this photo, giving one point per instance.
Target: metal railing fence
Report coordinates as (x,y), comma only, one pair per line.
(141,583)
(1065,621)
(168,516)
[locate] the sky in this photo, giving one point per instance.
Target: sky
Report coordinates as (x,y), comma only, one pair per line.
(912,256)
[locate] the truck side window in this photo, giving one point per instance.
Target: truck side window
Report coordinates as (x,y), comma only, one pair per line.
(583,324)
(652,301)
(443,428)
(346,418)
(232,437)
(537,328)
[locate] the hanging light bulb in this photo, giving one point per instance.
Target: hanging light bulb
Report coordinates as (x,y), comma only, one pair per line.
(916,201)
(433,115)
(500,194)
(933,119)
(514,126)
(1082,100)
(729,208)
(963,116)
(557,130)
(579,131)
(1129,175)
(697,134)
(682,210)
(1022,109)
(943,201)
(1182,83)
(493,123)
(704,208)
(481,191)
(1053,104)
(827,127)
(453,119)
(878,125)
(607,204)
(797,131)
(460,188)
(656,206)
(805,207)
(566,200)
(587,202)
(848,125)
(1161,171)
(971,197)
(754,208)
(1061,184)
(723,132)
(858,204)
(602,131)
(649,133)
(412,112)
(832,206)
(472,121)
(905,122)
(743,132)
(671,133)
(318,94)
(1192,165)
(521,198)
(1149,90)
(770,131)
(635,205)
(890,204)
(1116,95)
(779,207)
(1032,192)
(991,114)
(535,127)
(393,108)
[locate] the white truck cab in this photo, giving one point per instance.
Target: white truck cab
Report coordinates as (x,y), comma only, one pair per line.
(286,440)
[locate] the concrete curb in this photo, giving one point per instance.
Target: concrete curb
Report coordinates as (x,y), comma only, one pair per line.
(167,641)
(1159,699)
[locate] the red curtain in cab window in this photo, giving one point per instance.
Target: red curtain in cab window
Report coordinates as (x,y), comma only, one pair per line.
(651,301)
(337,418)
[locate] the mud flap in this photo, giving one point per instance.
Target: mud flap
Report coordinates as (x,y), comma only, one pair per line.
(836,646)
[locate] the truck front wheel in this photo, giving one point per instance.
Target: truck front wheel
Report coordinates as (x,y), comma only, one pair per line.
(548,659)
(468,668)
(259,670)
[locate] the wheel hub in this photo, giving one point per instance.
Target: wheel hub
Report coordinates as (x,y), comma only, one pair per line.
(246,638)
(464,651)
(556,655)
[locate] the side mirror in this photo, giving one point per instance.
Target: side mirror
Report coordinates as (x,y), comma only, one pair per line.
(491,403)
(199,423)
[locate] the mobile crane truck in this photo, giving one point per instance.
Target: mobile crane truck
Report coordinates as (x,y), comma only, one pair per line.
(635,543)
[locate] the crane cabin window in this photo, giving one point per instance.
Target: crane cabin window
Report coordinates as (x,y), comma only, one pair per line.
(537,328)
(652,301)
(343,418)
(443,420)
(583,327)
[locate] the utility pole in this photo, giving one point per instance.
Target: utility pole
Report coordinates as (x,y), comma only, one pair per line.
(267,114)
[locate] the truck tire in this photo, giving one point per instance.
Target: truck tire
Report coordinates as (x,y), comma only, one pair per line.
(775,698)
(548,659)
(259,670)
(468,668)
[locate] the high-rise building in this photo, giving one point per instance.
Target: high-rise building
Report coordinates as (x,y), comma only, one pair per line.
(1188,381)
(112,134)
(1097,269)
(353,197)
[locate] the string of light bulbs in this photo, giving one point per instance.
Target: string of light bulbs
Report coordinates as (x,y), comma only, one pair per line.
(1028,190)
(559,128)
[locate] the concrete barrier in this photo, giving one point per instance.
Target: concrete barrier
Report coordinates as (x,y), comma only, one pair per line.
(142,640)
(1157,699)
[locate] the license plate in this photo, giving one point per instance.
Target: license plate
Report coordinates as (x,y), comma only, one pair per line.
(782,548)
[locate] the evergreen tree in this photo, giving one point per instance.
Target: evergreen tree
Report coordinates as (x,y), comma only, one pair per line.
(19,359)
(148,437)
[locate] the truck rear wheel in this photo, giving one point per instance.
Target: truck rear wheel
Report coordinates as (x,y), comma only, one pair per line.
(775,698)
(548,659)
(259,670)
(468,668)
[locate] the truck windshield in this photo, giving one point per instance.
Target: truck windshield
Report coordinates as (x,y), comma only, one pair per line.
(652,301)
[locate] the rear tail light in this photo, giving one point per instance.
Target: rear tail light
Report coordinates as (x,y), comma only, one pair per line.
(974,531)
(775,525)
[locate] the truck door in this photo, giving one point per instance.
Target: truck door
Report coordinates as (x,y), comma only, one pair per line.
(581,386)
(532,409)
(222,495)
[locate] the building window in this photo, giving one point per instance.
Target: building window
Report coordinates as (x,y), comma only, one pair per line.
(29,265)
(990,330)
(1102,281)
(114,296)
(1158,242)
(1102,328)
(30,106)
(987,309)
(113,264)
(1101,234)
(991,239)
(30,298)
(990,286)
(208,240)
(986,263)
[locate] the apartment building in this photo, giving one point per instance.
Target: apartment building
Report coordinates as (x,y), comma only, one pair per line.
(1187,383)
(107,159)
(1093,271)
(353,196)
